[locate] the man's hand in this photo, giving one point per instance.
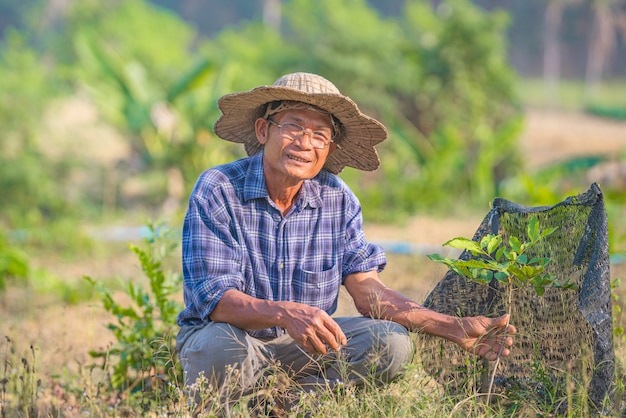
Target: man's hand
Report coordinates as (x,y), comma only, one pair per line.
(486,337)
(312,328)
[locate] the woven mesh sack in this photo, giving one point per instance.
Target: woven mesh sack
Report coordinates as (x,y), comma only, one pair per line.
(564,336)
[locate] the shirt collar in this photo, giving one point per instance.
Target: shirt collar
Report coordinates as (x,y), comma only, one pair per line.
(255,188)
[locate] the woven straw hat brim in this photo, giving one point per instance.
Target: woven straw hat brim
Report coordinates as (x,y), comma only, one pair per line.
(360,132)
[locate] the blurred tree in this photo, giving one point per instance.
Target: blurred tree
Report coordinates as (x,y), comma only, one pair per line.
(32,190)
(524,35)
(139,69)
(272,13)
(15,14)
(552,49)
(436,77)
(609,22)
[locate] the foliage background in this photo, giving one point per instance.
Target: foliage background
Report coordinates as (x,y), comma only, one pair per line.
(107,110)
(149,80)
(440,82)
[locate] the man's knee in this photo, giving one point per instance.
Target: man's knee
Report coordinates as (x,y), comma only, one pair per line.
(213,350)
(377,348)
(392,349)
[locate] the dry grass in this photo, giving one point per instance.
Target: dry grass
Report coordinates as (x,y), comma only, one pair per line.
(61,335)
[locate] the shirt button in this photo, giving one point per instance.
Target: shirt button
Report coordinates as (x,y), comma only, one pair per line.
(281,265)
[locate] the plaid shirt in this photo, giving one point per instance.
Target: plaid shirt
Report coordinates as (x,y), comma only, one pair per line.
(234,237)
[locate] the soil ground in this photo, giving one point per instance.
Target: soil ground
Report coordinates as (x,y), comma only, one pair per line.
(62,334)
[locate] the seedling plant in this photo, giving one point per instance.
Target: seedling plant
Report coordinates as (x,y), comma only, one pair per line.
(507,262)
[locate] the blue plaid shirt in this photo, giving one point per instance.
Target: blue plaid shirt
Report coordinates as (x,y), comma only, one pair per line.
(234,237)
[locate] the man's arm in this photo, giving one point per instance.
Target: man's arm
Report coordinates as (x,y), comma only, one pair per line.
(478,334)
(311,327)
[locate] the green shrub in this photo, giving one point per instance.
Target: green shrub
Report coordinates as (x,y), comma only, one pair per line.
(14,263)
(143,356)
(610,112)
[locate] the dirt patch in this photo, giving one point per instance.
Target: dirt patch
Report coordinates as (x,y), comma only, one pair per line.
(59,335)
(551,136)
(426,230)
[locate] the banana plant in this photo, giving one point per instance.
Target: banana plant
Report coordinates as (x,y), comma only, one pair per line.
(166,122)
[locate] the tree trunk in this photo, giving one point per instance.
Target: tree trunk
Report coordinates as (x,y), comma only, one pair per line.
(552,52)
(601,46)
(272,13)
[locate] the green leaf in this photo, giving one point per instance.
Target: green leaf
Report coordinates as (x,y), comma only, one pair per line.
(190,79)
(484,276)
(567,285)
(539,290)
(533,229)
(460,270)
(502,253)
(494,243)
(542,261)
(548,231)
(466,244)
(515,244)
(514,270)
(532,271)
(435,257)
(474,263)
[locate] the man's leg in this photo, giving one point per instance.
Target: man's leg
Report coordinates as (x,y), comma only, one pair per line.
(376,351)
(231,360)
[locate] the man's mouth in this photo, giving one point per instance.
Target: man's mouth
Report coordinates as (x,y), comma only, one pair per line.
(298,159)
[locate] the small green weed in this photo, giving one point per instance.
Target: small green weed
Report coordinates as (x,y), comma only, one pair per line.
(143,358)
(19,383)
(14,264)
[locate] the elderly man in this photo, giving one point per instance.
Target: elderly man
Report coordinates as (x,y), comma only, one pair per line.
(268,241)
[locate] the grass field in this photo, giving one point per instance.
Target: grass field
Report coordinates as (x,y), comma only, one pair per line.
(571,95)
(51,325)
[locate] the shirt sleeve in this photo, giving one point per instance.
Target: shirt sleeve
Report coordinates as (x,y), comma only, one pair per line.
(359,255)
(211,256)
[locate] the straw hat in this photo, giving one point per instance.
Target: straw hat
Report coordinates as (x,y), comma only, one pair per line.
(356,139)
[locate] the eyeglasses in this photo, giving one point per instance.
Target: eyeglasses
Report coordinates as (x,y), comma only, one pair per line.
(293,131)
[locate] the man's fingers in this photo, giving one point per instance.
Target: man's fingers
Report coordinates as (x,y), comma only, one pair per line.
(329,339)
(329,334)
(332,334)
(315,345)
(500,331)
(315,330)
(508,341)
(502,323)
(337,334)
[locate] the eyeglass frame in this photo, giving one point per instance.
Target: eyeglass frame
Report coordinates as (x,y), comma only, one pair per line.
(303,131)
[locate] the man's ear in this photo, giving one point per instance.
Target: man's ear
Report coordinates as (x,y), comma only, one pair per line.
(261,128)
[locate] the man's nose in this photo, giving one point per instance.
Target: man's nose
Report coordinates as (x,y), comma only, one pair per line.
(306,144)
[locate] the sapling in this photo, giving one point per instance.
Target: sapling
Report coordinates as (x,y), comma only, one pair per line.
(508,263)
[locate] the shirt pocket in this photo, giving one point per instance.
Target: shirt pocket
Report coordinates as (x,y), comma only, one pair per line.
(317,288)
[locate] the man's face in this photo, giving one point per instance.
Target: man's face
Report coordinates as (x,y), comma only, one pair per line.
(293,160)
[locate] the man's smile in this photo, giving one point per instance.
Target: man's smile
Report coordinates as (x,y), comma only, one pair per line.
(298,159)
